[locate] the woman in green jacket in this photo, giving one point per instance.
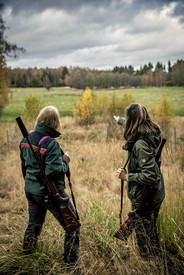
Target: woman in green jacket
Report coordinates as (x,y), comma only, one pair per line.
(142,140)
(43,140)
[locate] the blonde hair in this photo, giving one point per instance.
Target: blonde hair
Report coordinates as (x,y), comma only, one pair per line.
(49,116)
(138,122)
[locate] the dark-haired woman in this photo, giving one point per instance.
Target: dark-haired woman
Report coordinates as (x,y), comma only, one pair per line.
(142,140)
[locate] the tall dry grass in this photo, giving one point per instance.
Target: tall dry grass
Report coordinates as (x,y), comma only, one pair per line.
(97,190)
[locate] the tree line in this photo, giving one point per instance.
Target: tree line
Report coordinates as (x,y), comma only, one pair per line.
(81,78)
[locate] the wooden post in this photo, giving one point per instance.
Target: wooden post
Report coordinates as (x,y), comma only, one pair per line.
(8,142)
(175,137)
(107,136)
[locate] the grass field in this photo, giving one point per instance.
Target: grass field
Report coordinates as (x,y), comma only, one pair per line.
(94,163)
(93,166)
(64,99)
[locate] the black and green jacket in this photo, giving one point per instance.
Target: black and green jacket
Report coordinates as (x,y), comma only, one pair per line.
(143,169)
(51,155)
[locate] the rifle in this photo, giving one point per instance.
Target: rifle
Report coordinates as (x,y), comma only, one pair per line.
(70,185)
(122,187)
(70,219)
(126,229)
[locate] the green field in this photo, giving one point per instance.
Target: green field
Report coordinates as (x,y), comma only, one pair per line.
(64,99)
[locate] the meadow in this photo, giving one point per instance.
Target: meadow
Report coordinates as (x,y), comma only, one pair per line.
(94,163)
(64,99)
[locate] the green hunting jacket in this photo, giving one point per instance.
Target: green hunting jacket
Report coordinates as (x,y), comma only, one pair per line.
(143,169)
(51,155)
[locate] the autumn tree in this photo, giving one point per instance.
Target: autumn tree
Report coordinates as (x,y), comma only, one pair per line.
(164,115)
(148,78)
(113,106)
(3,90)
(33,105)
(102,103)
(85,108)
(117,105)
(6,50)
(125,101)
(159,74)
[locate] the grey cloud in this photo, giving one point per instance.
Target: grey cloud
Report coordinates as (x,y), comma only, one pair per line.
(105,12)
(74,5)
(95,33)
(37,6)
(179,11)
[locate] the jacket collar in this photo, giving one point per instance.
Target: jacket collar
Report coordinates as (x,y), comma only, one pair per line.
(46,130)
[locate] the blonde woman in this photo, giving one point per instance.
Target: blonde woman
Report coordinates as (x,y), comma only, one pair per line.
(142,140)
(56,165)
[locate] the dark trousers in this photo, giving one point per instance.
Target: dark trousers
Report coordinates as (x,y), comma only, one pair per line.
(37,212)
(147,236)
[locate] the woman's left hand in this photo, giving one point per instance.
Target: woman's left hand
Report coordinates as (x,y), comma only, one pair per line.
(66,157)
(122,174)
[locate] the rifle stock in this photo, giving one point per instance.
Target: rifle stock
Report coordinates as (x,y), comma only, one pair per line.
(70,219)
(127,227)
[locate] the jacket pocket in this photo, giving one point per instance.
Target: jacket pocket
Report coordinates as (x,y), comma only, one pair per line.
(131,190)
(134,191)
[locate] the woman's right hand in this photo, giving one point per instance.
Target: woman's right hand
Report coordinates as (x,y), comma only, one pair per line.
(122,174)
(116,118)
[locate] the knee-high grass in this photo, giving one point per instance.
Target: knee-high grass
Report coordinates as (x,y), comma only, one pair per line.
(97,190)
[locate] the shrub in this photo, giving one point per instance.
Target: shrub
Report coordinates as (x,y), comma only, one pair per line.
(117,105)
(85,108)
(113,106)
(33,107)
(164,115)
(125,101)
(102,103)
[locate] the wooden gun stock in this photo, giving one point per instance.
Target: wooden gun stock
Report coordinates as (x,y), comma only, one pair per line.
(70,219)
(127,227)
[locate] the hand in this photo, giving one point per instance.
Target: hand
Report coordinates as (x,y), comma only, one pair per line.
(66,157)
(116,118)
(122,174)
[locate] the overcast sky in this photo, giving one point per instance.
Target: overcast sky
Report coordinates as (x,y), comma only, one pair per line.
(95,33)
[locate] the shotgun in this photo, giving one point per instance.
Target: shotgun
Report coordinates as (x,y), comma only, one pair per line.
(70,219)
(127,227)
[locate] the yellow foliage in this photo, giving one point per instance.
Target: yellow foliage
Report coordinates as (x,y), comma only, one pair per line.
(3,90)
(148,78)
(33,107)
(85,108)
(61,82)
(102,103)
(163,114)
(125,101)
(117,105)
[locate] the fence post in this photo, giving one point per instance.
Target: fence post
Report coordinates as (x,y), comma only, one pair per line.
(175,137)
(107,136)
(8,142)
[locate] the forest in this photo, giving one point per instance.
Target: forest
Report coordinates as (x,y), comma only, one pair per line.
(81,78)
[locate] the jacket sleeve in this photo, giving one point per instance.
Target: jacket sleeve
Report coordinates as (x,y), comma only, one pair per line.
(54,164)
(23,167)
(121,121)
(149,171)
